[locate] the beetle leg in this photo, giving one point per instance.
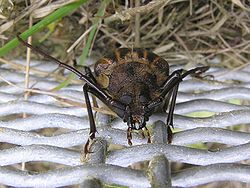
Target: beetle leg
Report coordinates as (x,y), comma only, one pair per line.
(196,71)
(171,113)
(87,70)
(171,86)
(142,134)
(91,119)
(116,106)
(148,134)
(173,95)
(171,82)
(89,73)
(179,77)
(174,79)
(166,101)
(172,105)
(129,135)
(170,134)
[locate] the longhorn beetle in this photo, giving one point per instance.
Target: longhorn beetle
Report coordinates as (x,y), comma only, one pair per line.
(132,83)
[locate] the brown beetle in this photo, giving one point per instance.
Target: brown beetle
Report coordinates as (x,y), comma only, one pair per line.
(132,83)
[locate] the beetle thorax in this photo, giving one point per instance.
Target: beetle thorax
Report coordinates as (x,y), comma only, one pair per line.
(133,78)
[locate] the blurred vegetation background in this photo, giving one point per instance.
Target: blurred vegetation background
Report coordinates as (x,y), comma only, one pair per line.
(189,31)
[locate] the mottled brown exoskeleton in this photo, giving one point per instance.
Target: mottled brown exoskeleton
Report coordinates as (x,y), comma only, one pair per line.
(132,83)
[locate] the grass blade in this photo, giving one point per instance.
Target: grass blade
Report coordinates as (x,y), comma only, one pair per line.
(58,14)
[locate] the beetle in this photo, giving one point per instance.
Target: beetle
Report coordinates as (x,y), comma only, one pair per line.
(132,83)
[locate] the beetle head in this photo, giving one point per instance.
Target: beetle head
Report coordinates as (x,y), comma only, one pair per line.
(138,122)
(136,113)
(136,118)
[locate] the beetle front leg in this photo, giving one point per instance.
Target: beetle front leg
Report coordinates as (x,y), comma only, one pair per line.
(91,120)
(170,88)
(196,72)
(173,94)
(148,134)
(89,73)
(171,113)
(129,135)
(174,79)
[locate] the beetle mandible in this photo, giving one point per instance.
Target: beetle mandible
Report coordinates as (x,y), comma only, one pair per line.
(132,83)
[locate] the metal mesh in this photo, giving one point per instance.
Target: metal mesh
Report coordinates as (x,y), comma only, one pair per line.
(44,111)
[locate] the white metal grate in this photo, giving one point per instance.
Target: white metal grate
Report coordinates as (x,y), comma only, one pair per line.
(45,112)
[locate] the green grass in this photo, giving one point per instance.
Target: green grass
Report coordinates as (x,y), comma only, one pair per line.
(90,40)
(53,17)
(93,31)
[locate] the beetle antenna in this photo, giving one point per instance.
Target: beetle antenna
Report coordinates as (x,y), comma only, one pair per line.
(64,65)
(196,71)
(41,52)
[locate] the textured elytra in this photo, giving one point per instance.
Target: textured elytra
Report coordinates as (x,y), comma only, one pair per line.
(132,76)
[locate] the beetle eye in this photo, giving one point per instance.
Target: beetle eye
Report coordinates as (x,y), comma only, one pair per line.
(143,98)
(126,99)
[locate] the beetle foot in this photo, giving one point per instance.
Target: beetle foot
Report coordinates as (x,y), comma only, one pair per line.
(129,136)
(130,142)
(170,134)
(201,70)
(142,134)
(87,149)
(148,134)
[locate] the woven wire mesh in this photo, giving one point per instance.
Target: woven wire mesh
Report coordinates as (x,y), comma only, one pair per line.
(27,144)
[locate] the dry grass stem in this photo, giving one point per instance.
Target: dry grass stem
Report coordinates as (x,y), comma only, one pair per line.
(44,11)
(137,25)
(24,13)
(37,72)
(79,40)
(131,12)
